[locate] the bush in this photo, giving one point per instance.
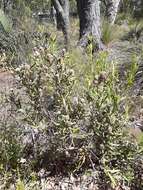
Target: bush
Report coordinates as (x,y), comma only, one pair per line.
(76,130)
(65,130)
(110,33)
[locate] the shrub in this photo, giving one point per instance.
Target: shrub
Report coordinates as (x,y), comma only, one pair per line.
(110,33)
(72,131)
(82,129)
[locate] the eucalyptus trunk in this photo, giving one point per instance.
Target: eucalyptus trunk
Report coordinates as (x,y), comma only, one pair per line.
(112,10)
(53,14)
(89,17)
(62,13)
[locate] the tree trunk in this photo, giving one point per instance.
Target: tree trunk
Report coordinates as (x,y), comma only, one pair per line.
(112,9)
(53,14)
(89,17)
(58,21)
(62,13)
(55,17)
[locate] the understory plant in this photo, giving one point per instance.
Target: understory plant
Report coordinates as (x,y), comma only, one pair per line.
(73,113)
(84,128)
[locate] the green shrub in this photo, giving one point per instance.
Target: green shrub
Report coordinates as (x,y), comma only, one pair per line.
(5,22)
(111,33)
(76,110)
(86,127)
(10,152)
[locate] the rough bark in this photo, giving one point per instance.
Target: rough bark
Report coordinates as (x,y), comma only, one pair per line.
(58,21)
(89,17)
(112,9)
(55,17)
(53,14)
(62,12)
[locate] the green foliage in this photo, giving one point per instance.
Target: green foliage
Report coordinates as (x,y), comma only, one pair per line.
(132,71)
(10,151)
(5,22)
(107,32)
(110,33)
(87,124)
(20,185)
